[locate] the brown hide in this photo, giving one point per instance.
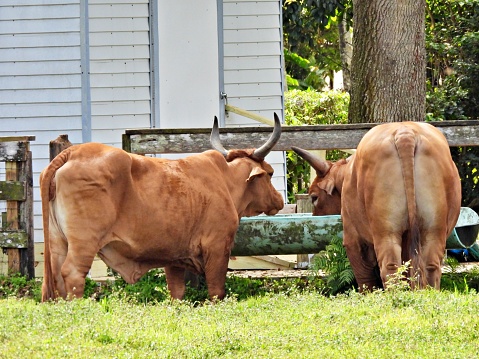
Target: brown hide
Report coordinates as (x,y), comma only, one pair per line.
(400,197)
(140,213)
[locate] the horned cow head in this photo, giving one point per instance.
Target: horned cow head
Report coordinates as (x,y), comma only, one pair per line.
(325,190)
(263,197)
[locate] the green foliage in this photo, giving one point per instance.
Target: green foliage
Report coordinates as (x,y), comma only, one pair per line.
(19,286)
(311,108)
(312,77)
(335,263)
(452,45)
(455,280)
(315,108)
(311,41)
(467,162)
(452,39)
(150,288)
(445,102)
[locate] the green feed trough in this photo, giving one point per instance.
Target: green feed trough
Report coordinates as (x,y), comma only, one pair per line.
(302,233)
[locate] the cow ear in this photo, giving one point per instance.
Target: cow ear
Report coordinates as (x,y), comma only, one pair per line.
(255,172)
(327,185)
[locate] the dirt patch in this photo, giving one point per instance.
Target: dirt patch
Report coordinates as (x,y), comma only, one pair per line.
(301,273)
(272,273)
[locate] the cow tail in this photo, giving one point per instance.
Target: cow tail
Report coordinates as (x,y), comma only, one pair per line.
(47,194)
(406,143)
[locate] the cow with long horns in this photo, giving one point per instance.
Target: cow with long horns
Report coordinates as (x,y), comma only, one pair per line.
(399,197)
(139,213)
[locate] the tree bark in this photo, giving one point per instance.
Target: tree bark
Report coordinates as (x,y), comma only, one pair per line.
(388,70)
(345,51)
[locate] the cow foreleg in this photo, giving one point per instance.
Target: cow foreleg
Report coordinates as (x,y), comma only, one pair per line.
(175,278)
(215,273)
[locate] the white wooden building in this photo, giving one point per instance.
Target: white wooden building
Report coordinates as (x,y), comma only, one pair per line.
(93,68)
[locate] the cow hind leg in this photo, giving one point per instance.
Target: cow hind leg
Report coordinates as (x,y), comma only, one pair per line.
(75,269)
(58,253)
(388,253)
(57,263)
(432,255)
(362,259)
(364,265)
(175,278)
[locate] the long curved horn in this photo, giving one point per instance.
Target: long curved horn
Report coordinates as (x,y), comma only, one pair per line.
(215,138)
(321,166)
(262,152)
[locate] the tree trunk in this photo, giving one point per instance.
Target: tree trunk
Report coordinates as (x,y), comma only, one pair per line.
(388,70)
(345,51)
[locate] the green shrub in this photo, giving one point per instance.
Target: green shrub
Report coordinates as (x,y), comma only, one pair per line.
(315,108)
(445,102)
(19,286)
(335,263)
(152,287)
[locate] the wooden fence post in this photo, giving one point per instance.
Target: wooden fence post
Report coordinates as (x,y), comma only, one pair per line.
(303,205)
(58,145)
(16,236)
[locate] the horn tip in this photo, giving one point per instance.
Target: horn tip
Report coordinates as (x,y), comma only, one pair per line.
(277,121)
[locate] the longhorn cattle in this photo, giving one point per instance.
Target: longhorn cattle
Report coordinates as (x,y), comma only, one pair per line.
(140,213)
(399,197)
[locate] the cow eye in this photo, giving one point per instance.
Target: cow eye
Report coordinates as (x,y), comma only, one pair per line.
(314,198)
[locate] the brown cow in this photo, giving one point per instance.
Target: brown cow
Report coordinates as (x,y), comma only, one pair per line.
(399,197)
(140,212)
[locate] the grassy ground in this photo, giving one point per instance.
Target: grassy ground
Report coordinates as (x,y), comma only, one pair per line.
(393,324)
(261,318)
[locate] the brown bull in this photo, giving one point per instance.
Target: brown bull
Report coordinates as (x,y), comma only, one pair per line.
(140,213)
(399,197)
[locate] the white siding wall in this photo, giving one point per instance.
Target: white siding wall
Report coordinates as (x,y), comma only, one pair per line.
(252,66)
(119,67)
(40,77)
(188,63)
(252,57)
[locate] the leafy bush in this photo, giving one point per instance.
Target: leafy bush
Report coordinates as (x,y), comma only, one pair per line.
(445,102)
(467,162)
(20,287)
(335,263)
(152,287)
(452,46)
(315,108)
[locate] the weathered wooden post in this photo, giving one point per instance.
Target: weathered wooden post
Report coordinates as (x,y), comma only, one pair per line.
(58,145)
(16,237)
(303,205)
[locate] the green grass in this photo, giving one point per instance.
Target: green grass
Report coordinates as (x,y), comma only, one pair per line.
(261,318)
(396,324)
